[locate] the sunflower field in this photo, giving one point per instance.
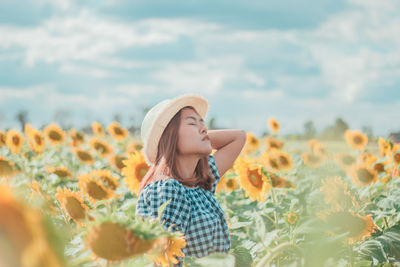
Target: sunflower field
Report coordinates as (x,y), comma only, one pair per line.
(68,199)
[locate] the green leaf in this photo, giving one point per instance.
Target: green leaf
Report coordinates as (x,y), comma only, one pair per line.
(237,225)
(242,257)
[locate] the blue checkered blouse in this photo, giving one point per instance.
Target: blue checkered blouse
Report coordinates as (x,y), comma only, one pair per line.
(194,211)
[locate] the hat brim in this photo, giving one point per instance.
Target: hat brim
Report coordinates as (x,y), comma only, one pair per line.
(199,103)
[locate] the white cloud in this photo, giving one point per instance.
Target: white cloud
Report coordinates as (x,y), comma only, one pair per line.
(207,76)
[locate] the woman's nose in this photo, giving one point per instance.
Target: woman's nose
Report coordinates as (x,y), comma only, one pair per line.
(203,128)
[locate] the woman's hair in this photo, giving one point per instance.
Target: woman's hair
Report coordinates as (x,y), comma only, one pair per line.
(166,163)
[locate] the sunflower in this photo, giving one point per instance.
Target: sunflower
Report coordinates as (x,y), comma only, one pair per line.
(384,147)
(3,137)
(100,146)
(136,168)
(97,129)
(356,139)
(285,162)
(114,242)
(84,155)
(78,138)
(93,188)
(337,193)
(271,161)
(61,172)
(396,155)
(171,249)
(73,204)
(54,134)
(106,178)
(311,159)
(252,142)
(380,167)
(358,227)
(7,168)
(36,140)
(26,234)
(292,217)
(363,175)
(27,129)
(273,143)
(252,179)
(117,161)
(279,182)
(14,141)
(118,133)
(367,158)
(133,146)
(227,184)
(345,160)
(273,125)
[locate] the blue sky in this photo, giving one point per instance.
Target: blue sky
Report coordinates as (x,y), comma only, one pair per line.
(292,60)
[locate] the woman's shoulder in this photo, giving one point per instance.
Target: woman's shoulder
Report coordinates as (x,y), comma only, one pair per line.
(164,183)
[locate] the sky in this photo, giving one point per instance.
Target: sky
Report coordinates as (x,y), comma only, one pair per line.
(84,61)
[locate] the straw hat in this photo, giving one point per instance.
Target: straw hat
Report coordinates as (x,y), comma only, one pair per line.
(158,117)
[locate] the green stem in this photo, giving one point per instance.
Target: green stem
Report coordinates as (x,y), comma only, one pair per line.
(267,259)
(351,255)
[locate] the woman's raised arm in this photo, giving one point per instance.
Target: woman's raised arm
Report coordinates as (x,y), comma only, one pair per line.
(228,144)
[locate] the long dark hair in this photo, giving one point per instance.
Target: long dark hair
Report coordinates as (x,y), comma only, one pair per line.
(165,165)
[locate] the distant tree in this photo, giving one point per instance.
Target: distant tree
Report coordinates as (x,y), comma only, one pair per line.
(117,117)
(367,129)
(335,131)
(309,129)
(340,126)
(22,117)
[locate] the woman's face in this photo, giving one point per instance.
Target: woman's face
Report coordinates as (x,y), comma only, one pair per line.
(191,133)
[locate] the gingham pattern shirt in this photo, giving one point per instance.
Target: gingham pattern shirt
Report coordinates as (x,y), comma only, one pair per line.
(194,211)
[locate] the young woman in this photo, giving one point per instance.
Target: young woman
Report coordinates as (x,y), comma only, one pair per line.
(177,146)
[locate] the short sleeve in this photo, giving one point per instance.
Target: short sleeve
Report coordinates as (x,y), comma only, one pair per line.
(177,212)
(214,171)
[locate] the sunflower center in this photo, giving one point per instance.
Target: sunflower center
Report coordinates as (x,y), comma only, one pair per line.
(253,141)
(99,147)
(141,171)
(230,183)
(118,162)
(38,140)
(364,175)
(118,131)
(348,160)
(55,136)
(79,136)
(274,144)
(15,140)
(84,156)
(292,218)
(274,163)
(61,173)
(255,178)
(95,191)
(357,140)
(283,160)
(5,168)
(74,208)
(379,167)
(396,157)
(109,182)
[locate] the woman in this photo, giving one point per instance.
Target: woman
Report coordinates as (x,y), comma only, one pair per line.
(177,147)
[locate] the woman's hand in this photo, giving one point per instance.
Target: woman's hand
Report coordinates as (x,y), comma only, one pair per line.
(229,144)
